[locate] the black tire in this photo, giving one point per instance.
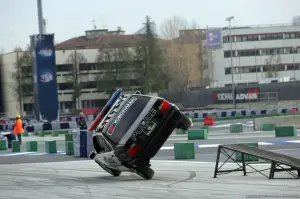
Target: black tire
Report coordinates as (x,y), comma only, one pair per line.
(184,123)
(112,172)
(145,172)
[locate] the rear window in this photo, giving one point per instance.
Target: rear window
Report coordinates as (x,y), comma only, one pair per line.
(126,117)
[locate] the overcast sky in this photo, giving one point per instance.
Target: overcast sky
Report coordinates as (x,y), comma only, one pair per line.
(69,18)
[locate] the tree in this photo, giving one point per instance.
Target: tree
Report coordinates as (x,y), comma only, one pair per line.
(148,51)
(183,53)
(22,75)
(272,63)
(76,58)
(117,60)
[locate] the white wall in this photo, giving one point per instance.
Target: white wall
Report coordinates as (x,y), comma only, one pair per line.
(10,103)
(220,63)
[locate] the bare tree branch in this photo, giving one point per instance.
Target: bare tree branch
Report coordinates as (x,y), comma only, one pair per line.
(117,61)
(182,57)
(75,58)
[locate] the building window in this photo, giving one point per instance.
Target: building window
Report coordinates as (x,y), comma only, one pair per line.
(227,71)
(252,37)
(290,36)
(68,104)
(64,68)
(28,107)
(65,86)
(227,54)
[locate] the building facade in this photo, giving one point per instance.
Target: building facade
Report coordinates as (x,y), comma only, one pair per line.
(259,54)
(80,53)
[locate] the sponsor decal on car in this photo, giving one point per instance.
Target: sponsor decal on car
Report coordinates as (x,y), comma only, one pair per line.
(146,126)
(121,114)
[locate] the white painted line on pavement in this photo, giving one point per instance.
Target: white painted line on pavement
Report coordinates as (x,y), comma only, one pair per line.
(197,162)
(294,141)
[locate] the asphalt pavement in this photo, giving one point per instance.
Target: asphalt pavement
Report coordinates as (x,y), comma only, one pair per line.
(205,150)
(172,180)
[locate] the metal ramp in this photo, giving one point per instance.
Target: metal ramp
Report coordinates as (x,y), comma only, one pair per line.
(278,162)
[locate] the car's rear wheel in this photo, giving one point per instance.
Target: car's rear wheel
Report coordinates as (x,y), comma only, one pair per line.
(145,172)
(113,172)
(184,123)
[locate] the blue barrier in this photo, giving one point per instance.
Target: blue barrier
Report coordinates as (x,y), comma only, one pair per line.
(231,113)
(82,143)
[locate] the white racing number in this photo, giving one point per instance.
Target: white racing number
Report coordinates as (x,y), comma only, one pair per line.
(146,126)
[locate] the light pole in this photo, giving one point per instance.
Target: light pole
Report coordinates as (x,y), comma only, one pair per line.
(231,60)
(255,65)
(294,51)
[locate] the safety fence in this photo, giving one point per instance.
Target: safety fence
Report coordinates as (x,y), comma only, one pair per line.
(240,114)
(41,126)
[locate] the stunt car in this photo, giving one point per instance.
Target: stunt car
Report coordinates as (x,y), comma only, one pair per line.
(131,129)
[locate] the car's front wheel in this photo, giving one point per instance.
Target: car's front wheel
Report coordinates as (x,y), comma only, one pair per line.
(145,172)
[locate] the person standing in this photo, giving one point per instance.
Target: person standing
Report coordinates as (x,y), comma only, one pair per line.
(18,128)
(82,124)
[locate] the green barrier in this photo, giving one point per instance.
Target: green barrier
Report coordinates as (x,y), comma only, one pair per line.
(238,155)
(54,134)
(3,145)
(32,146)
(48,132)
(25,134)
(184,150)
(236,128)
(69,148)
(180,132)
(285,131)
(68,137)
(267,127)
(63,132)
(205,127)
(197,134)
(15,146)
(50,147)
(41,133)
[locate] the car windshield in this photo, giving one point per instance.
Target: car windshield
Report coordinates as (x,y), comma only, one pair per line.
(126,117)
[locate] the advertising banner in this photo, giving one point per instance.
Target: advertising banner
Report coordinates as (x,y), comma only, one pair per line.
(214,38)
(44,74)
(242,95)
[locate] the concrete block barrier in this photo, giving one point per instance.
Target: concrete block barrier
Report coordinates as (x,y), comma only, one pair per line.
(248,158)
(184,150)
(32,146)
(197,134)
(3,145)
(16,147)
(25,134)
(54,134)
(267,127)
(236,128)
(69,148)
(50,146)
(285,131)
(68,137)
(289,120)
(41,133)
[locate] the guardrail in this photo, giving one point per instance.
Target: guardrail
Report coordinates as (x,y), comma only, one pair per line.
(42,126)
(239,114)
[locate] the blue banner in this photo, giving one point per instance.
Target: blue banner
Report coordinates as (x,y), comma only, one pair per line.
(214,38)
(44,73)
